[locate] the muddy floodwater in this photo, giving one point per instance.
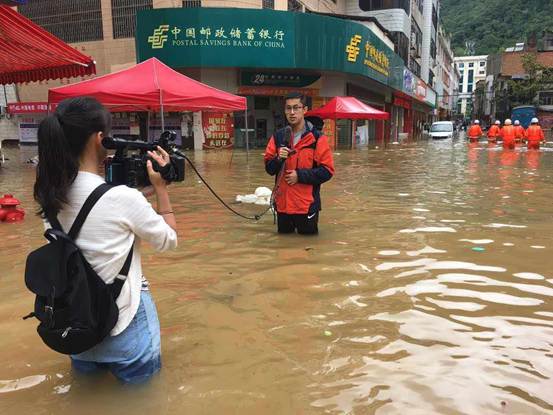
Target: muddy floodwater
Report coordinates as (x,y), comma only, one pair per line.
(428,291)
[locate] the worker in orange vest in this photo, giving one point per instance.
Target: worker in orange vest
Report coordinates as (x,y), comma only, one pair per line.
(534,135)
(493,132)
(519,131)
(508,134)
(475,132)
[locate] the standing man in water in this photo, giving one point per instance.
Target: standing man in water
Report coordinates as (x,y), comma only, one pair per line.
(475,132)
(301,158)
(534,135)
(493,132)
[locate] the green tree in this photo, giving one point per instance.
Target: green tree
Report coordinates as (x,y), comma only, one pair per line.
(494,24)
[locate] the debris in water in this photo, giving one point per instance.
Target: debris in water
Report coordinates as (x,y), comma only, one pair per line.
(328,333)
(478,249)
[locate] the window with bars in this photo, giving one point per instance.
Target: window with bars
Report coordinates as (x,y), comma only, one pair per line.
(70,20)
(268,4)
(123,15)
(295,6)
(191,3)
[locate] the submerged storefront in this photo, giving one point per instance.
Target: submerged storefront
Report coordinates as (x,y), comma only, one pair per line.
(266,54)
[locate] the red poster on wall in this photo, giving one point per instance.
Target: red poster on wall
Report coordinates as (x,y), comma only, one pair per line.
(218,130)
(329,130)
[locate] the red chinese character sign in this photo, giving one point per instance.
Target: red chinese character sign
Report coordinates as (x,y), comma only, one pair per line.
(218,130)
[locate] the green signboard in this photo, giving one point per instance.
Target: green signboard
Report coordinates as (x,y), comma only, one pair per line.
(212,37)
(250,38)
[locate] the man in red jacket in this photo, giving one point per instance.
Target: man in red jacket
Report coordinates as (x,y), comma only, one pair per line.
(300,157)
(493,132)
(508,134)
(534,135)
(519,131)
(475,132)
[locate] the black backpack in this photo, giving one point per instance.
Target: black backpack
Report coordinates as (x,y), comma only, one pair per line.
(76,308)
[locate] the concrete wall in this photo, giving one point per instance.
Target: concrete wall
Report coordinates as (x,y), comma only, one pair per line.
(393,20)
(426,39)
(9,129)
(225,79)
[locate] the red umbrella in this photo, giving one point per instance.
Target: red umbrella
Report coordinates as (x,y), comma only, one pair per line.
(348,108)
(29,53)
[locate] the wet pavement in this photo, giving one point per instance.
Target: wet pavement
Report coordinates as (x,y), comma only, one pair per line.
(428,291)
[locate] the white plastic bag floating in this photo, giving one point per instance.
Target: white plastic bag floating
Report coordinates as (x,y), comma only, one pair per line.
(263,192)
(262,196)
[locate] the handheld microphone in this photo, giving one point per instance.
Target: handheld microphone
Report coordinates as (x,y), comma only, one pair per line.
(288,139)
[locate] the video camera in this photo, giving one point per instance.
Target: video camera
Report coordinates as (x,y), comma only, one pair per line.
(130,169)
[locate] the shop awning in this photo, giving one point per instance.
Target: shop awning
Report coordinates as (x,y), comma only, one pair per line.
(348,108)
(29,53)
(151,86)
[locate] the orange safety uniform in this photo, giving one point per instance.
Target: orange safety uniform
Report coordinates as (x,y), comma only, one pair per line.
(534,135)
(474,132)
(508,134)
(494,132)
(519,132)
(312,160)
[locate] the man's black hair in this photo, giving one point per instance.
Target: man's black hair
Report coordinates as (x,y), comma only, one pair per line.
(297,95)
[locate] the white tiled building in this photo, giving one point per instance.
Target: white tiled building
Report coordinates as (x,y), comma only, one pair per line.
(472,69)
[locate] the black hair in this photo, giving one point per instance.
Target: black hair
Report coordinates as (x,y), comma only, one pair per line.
(297,95)
(62,138)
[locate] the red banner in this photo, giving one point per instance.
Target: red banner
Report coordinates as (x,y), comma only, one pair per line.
(218,130)
(275,91)
(30,107)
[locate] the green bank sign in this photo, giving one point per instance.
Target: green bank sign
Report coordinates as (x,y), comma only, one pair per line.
(249,38)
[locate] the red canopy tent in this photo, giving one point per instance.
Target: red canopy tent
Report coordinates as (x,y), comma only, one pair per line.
(29,53)
(348,108)
(151,86)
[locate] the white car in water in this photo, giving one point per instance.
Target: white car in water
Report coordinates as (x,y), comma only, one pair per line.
(442,129)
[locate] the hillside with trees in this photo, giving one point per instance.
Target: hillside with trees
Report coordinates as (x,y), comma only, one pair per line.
(494,25)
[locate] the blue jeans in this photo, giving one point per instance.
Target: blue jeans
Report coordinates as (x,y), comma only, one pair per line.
(134,355)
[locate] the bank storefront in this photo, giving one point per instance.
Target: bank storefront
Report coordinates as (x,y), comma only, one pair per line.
(265,54)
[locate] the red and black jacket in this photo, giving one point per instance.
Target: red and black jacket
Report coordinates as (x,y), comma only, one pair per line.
(313,163)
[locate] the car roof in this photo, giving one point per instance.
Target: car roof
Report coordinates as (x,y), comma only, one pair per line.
(443,122)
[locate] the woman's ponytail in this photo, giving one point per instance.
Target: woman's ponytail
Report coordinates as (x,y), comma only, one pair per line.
(62,138)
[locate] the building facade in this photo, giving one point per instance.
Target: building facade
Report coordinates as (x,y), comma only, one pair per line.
(508,66)
(445,83)
(260,49)
(471,70)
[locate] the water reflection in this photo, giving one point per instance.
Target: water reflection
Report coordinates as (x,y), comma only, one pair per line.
(389,310)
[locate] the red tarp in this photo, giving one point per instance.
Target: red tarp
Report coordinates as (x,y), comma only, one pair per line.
(29,53)
(348,108)
(145,86)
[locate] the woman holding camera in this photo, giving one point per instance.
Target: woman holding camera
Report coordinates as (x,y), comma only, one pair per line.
(70,167)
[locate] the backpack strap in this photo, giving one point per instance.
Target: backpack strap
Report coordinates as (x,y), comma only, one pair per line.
(87,207)
(53,220)
(117,284)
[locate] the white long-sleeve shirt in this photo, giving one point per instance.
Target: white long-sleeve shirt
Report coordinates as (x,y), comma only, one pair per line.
(121,216)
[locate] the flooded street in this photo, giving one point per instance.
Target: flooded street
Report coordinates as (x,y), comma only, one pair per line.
(428,291)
